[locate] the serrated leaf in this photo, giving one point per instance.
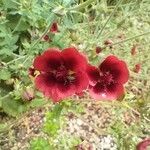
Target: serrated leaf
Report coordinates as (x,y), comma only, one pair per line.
(4,74)
(3,126)
(13,107)
(53,121)
(40,144)
(14,39)
(10,4)
(0,103)
(22,25)
(37,103)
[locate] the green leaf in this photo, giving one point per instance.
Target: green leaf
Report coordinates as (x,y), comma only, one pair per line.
(40,144)
(53,121)
(5,74)
(3,126)
(22,25)
(37,103)
(10,4)
(0,103)
(13,107)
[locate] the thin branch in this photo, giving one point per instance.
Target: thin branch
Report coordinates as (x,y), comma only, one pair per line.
(52,18)
(81,6)
(109,18)
(128,39)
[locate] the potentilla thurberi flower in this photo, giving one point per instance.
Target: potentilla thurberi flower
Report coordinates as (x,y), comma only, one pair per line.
(106,81)
(143,145)
(62,73)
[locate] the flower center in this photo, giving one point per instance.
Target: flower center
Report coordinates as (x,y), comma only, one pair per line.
(64,76)
(106,78)
(61,73)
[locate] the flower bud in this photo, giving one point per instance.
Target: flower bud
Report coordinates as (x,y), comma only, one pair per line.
(137,68)
(133,50)
(108,43)
(28,95)
(54,28)
(98,49)
(46,37)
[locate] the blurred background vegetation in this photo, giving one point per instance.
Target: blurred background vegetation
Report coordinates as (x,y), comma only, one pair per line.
(86,24)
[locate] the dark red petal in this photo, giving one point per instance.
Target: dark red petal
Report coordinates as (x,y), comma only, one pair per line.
(81,81)
(116,67)
(45,83)
(73,59)
(93,74)
(143,145)
(64,91)
(111,92)
(80,95)
(54,28)
(49,60)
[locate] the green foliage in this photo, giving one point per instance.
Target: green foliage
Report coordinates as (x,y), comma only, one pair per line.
(13,107)
(37,103)
(40,144)
(4,74)
(3,127)
(53,120)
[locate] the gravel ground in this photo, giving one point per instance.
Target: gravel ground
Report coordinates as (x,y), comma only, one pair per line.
(87,126)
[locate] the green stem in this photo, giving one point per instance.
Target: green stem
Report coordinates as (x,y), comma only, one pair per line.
(128,39)
(129,107)
(52,18)
(109,18)
(21,57)
(81,6)
(18,24)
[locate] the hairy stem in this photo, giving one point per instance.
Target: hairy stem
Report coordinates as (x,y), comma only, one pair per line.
(128,39)
(109,18)
(81,6)
(52,18)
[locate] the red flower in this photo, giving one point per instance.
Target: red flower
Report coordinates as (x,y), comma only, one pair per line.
(143,145)
(81,94)
(54,28)
(106,81)
(137,68)
(98,49)
(62,73)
